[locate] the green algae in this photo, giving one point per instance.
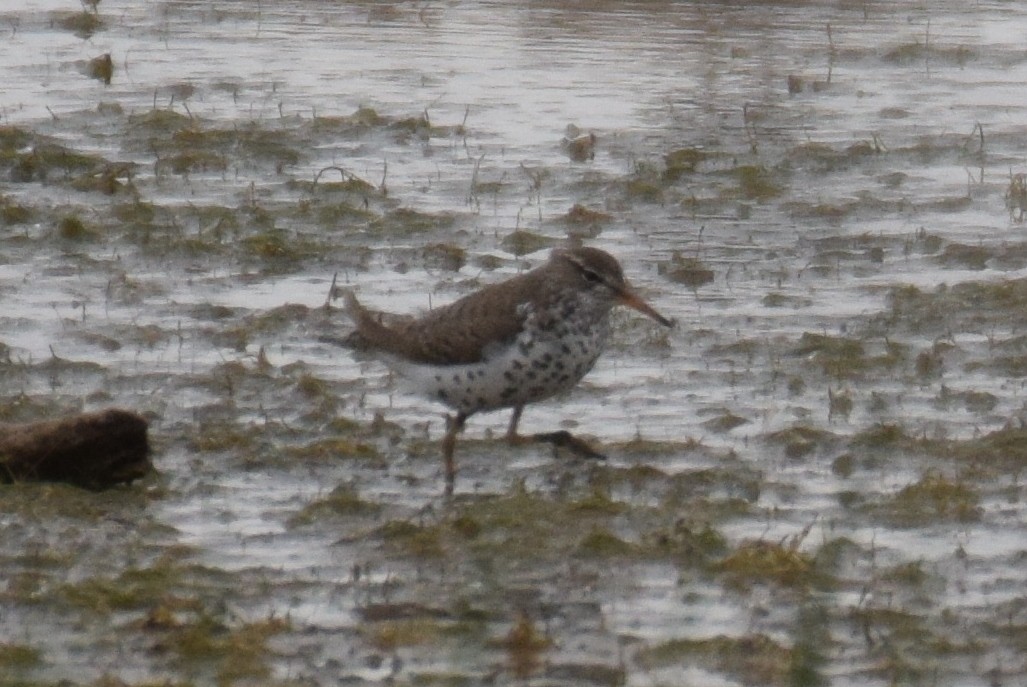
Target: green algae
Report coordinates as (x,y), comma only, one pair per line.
(967,306)
(251,142)
(343,501)
(19,656)
(405,221)
(802,440)
(686,270)
(222,436)
(83,24)
(158,122)
(758,183)
(71,228)
(193,162)
(444,256)
(12,212)
(601,543)
(639,447)
(839,404)
(753,659)
(909,574)
(312,386)
(341,214)
(52,162)
(762,562)
(132,589)
(683,161)
(524,645)
(840,357)
(335,448)
(725,422)
(209,645)
(970,257)
(101,68)
(916,51)
(932,499)
(584,221)
(138,588)
(272,245)
(419,541)
(644,189)
(690,544)
(780,300)
(521,242)
(363,119)
(13,138)
(391,635)
(1003,451)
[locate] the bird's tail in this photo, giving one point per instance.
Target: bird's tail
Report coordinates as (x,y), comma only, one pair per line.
(370,333)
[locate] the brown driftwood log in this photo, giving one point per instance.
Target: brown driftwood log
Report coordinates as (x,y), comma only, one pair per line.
(91,450)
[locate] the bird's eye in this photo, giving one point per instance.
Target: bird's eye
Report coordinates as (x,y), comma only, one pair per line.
(592,277)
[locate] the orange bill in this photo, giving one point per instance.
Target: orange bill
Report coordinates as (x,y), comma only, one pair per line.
(632,300)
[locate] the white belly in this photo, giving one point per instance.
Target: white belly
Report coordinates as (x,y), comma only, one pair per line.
(539,364)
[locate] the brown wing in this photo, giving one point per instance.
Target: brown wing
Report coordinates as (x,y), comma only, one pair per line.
(454,334)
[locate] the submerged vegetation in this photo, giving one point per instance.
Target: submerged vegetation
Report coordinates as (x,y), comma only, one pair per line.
(817,477)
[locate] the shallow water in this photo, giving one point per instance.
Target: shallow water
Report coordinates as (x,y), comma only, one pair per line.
(889,166)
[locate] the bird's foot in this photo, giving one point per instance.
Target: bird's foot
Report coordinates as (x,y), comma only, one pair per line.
(564,439)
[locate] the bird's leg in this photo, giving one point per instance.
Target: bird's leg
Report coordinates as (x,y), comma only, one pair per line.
(454,424)
(562,438)
(512,437)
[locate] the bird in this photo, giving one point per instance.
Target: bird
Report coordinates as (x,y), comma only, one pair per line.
(507,345)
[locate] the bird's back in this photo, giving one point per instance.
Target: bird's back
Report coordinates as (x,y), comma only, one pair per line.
(463,332)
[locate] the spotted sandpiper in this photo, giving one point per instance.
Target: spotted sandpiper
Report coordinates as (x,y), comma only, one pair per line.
(507,345)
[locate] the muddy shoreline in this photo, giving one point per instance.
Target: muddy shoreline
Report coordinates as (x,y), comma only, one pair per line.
(814,479)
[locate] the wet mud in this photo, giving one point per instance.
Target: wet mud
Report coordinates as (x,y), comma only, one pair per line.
(813,479)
